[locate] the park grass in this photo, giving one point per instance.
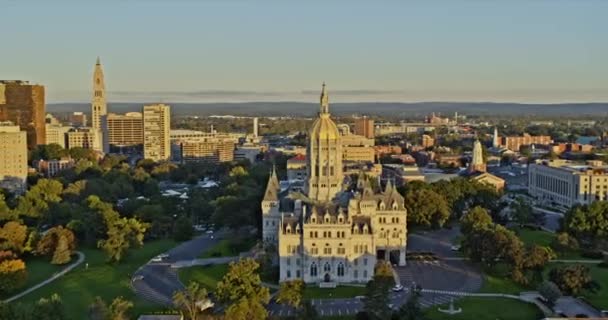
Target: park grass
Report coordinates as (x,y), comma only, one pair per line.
(544,238)
(314,292)
(229,247)
(534,237)
(599,299)
(38,270)
(599,274)
(488,309)
(79,287)
(207,276)
(498,280)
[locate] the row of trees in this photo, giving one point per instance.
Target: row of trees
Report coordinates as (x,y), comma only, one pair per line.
(433,205)
(17,243)
(490,244)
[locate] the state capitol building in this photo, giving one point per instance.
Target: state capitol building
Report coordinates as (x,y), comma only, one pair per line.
(332,232)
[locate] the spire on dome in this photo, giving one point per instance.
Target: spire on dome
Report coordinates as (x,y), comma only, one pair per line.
(98,61)
(324,100)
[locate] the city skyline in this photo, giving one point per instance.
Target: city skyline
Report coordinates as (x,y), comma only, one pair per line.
(545,51)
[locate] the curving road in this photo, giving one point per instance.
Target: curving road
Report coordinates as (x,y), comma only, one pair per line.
(67,269)
(159,280)
(449,273)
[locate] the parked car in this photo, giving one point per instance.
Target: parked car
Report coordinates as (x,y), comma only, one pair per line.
(398,288)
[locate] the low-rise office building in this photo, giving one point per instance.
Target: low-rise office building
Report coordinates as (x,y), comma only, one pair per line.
(567,183)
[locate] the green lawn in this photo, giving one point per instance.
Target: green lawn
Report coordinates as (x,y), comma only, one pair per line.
(488,309)
(38,270)
(79,287)
(314,292)
(229,247)
(599,299)
(538,237)
(543,238)
(498,280)
(208,276)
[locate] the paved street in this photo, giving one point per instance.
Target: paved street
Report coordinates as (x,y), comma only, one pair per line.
(159,279)
(448,275)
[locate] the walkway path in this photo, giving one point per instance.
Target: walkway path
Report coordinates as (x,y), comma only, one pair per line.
(67,269)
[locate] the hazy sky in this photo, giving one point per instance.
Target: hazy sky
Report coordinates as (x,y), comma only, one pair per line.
(530,51)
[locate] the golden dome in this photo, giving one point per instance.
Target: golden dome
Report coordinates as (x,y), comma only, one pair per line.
(324,128)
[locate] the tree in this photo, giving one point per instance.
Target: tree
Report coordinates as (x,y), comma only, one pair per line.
(119,309)
(190,300)
(564,242)
(588,222)
(36,201)
(6,214)
(122,234)
(58,241)
(477,218)
(12,272)
(550,291)
(290,293)
(572,279)
(241,289)
(51,151)
(376,300)
(49,309)
(12,236)
(426,207)
(183,229)
(521,211)
(98,310)
(412,309)
(528,265)
(491,245)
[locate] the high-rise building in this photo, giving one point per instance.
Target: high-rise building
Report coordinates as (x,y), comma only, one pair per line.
(13,157)
(324,155)
(364,126)
(125,130)
(495,139)
(23,104)
(99,107)
(212,149)
(86,138)
(157,122)
(56,133)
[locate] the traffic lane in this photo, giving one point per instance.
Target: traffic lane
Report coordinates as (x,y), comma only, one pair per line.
(161,279)
(191,249)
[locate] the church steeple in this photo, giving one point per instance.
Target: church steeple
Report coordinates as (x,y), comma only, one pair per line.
(324,100)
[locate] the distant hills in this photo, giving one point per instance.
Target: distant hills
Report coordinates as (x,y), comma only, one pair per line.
(386,109)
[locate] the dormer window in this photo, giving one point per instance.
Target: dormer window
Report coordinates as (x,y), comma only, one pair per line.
(313,220)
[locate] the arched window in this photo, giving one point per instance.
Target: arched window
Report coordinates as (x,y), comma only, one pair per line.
(340,269)
(326,267)
(313,270)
